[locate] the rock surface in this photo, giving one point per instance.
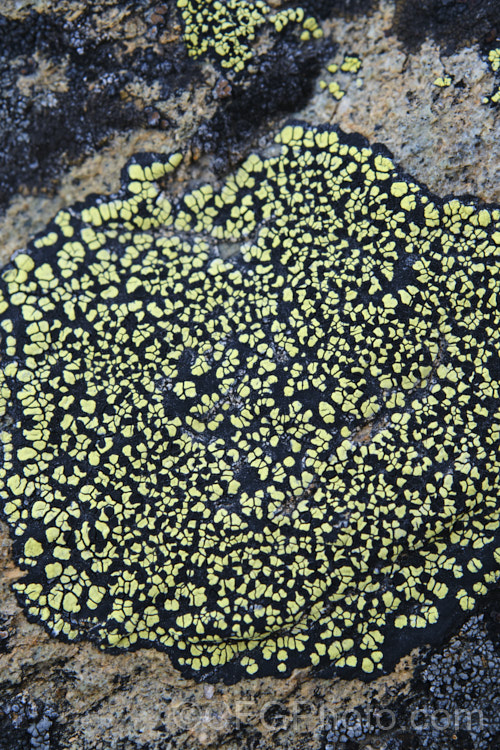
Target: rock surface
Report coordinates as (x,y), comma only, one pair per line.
(85,88)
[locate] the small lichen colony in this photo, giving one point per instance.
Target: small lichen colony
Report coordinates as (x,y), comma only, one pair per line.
(351,64)
(494,63)
(227,28)
(443,82)
(285,458)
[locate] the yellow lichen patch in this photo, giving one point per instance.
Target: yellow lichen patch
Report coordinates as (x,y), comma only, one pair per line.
(335,90)
(494,59)
(287,458)
(494,98)
(351,64)
(494,62)
(227,28)
(443,82)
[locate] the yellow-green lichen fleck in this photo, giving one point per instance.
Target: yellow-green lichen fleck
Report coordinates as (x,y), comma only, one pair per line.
(443,82)
(351,64)
(494,62)
(335,90)
(288,458)
(494,98)
(494,59)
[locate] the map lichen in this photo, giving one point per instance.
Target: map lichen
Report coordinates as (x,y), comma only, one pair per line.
(227,29)
(286,458)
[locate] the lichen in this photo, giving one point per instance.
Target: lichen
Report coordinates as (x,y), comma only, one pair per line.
(351,64)
(227,29)
(282,459)
(334,89)
(494,59)
(443,82)
(494,63)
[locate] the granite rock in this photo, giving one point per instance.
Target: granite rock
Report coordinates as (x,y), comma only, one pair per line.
(84,89)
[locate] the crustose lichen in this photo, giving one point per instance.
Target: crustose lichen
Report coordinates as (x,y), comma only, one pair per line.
(283,459)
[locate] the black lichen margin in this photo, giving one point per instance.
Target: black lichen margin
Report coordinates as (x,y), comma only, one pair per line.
(289,458)
(283,83)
